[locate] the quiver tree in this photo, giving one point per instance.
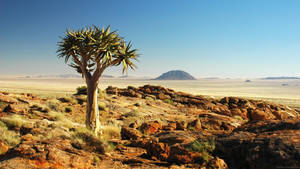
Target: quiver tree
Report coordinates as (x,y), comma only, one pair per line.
(90,51)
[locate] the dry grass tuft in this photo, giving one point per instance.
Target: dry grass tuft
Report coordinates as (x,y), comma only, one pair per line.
(10,137)
(14,121)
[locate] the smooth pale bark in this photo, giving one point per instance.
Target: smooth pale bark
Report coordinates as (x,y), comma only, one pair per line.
(92,110)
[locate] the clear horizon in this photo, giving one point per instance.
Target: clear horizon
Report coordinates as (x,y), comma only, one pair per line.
(225,39)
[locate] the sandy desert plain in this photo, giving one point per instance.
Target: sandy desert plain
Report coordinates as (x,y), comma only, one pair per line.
(283,91)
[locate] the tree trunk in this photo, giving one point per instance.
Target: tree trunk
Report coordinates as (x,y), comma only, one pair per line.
(92,110)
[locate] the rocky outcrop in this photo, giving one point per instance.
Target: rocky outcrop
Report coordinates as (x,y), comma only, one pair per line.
(48,154)
(250,110)
(262,144)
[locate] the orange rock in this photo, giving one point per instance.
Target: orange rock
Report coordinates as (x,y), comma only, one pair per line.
(180,155)
(217,163)
(151,127)
(159,150)
(196,124)
(3,148)
(258,115)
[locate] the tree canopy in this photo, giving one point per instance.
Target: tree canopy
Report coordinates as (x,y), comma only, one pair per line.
(92,50)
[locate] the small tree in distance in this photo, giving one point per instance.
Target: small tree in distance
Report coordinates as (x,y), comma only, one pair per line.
(90,51)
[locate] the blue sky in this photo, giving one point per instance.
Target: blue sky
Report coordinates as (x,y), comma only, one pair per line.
(207,38)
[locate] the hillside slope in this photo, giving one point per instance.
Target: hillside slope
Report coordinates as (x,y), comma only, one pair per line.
(147,127)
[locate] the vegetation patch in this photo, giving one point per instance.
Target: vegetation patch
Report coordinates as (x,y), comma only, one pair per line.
(168,101)
(203,146)
(133,116)
(3,105)
(56,116)
(13,121)
(67,100)
(84,138)
(81,90)
(111,131)
(102,106)
(40,107)
(54,105)
(8,136)
(81,99)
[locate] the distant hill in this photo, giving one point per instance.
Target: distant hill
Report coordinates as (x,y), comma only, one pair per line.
(175,75)
(280,77)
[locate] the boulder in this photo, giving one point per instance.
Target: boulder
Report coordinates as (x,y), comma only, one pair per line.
(195,124)
(258,115)
(3,148)
(158,150)
(180,155)
(130,133)
(150,127)
(181,125)
(163,96)
(217,163)
(173,137)
(170,127)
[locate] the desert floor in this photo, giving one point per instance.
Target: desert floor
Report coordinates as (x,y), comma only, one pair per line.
(270,90)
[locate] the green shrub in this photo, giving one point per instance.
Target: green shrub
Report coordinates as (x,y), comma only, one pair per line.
(203,146)
(238,117)
(81,90)
(168,101)
(96,159)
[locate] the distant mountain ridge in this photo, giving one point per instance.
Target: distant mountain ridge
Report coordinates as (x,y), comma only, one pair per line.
(280,77)
(64,76)
(175,75)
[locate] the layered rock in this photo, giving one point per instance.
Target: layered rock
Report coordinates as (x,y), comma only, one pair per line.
(262,144)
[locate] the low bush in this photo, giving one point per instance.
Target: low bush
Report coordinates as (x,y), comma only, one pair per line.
(81,90)
(84,138)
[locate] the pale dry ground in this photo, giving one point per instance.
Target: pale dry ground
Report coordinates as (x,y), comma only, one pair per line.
(271,90)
